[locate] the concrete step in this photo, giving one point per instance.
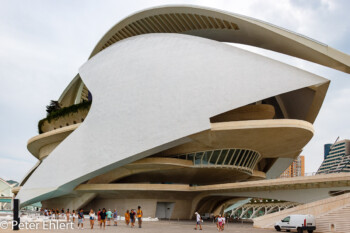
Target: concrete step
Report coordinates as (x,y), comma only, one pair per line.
(332,214)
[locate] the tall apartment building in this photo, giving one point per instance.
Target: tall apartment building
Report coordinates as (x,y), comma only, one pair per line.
(297,168)
(336,158)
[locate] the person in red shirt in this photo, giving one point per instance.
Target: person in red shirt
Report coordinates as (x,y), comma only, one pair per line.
(98,216)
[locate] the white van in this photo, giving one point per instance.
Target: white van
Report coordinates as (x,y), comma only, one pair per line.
(297,222)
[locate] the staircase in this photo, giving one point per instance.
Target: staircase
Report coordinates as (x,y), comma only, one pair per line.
(332,214)
(337,220)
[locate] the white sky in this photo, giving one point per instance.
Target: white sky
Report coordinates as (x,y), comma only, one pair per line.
(43,44)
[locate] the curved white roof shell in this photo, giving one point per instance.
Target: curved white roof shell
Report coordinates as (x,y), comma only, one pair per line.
(225,27)
(164,87)
(221,26)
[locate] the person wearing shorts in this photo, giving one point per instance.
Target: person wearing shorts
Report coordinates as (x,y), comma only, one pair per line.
(92,218)
(74,215)
(132,218)
(115,217)
(127,217)
(103,216)
(81,219)
(139,216)
(109,217)
(198,221)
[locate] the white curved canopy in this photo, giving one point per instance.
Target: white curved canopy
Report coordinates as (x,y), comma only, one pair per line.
(216,25)
(164,87)
(225,27)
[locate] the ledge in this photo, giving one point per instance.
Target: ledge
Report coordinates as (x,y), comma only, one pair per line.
(36,143)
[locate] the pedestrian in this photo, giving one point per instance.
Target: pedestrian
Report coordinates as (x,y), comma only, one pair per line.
(115,217)
(139,215)
(99,216)
(62,213)
(132,218)
(220,223)
(92,218)
(127,217)
(74,216)
(198,221)
(223,222)
(109,217)
(103,218)
(67,215)
(81,219)
(217,221)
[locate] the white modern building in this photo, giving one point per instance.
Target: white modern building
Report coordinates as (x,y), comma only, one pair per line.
(164,114)
(5,195)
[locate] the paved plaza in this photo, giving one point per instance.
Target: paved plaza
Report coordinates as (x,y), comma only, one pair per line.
(164,226)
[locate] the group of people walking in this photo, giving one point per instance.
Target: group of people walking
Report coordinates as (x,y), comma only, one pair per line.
(220,222)
(59,214)
(103,217)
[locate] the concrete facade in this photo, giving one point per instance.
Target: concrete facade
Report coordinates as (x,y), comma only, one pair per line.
(179,117)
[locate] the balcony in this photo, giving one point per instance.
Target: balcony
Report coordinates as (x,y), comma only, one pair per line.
(67,116)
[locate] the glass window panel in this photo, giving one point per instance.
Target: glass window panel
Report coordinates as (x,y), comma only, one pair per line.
(222,157)
(190,157)
(206,157)
(215,156)
(246,158)
(229,156)
(241,157)
(236,157)
(198,157)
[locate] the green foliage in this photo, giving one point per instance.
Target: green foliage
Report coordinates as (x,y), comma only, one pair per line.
(52,107)
(55,115)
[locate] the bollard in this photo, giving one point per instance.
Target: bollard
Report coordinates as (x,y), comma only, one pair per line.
(16,218)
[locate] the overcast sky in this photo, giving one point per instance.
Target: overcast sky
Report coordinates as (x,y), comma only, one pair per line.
(43,44)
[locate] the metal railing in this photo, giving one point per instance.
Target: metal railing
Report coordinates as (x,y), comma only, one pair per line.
(242,159)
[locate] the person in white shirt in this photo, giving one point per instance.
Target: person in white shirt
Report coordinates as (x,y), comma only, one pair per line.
(219,222)
(92,218)
(198,221)
(74,215)
(223,222)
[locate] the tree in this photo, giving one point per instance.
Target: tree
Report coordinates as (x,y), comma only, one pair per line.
(54,106)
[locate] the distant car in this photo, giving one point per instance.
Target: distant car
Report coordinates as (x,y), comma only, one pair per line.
(297,222)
